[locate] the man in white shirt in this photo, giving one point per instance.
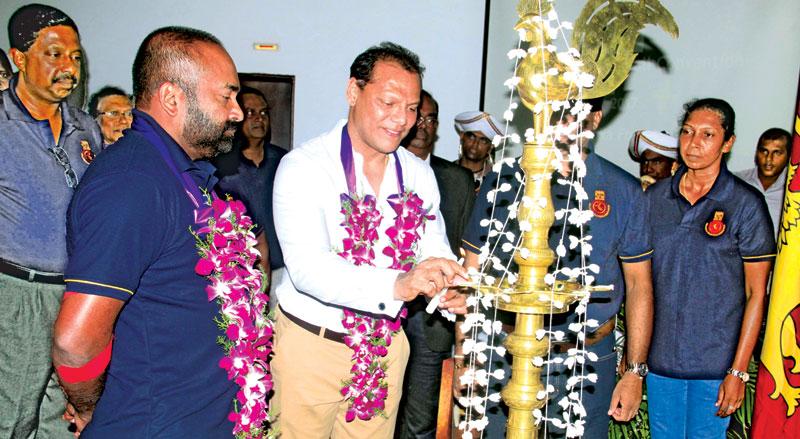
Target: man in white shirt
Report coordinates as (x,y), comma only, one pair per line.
(773,150)
(325,183)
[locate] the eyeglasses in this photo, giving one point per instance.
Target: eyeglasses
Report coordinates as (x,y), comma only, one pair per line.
(116,114)
(250,113)
(427,120)
(63,160)
(472,137)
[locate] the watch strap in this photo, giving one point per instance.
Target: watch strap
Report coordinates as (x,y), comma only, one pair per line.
(744,376)
(640,369)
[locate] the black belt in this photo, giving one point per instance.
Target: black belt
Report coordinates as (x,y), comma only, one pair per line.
(314,329)
(30,275)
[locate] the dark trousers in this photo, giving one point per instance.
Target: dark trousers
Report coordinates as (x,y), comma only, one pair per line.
(420,402)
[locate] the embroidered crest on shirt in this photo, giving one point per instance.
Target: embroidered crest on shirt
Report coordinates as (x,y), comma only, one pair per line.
(599,206)
(716,227)
(86,152)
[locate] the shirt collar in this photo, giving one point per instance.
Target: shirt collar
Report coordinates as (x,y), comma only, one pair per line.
(389,184)
(246,161)
(201,170)
(780,183)
(721,187)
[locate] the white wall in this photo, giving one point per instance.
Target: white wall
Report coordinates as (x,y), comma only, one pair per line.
(746,52)
(318,40)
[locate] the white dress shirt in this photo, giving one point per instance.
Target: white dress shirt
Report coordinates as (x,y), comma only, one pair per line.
(773,195)
(306,209)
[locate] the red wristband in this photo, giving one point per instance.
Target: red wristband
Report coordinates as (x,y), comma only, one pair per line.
(93,369)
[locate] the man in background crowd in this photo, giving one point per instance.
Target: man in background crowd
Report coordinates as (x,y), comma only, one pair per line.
(657,155)
(773,150)
(47,145)
(5,71)
(431,335)
(248,171)
(112,108)
(456,207)
(476,129)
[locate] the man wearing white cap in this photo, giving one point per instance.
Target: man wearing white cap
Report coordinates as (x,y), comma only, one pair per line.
(476,129)
(656,152)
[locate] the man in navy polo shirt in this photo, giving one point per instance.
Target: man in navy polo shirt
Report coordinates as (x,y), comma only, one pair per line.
(46,146)
(621,248)
(131,256)
(248,172)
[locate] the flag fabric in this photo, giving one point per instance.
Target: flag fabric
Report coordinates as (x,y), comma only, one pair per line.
(776,414)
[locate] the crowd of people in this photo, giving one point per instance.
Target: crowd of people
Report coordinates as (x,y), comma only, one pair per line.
(111,331)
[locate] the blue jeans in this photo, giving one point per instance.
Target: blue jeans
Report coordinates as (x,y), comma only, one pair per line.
(596,396)
(684,408)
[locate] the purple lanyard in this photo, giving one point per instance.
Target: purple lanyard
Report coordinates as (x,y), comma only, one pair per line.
(346,155)
(201,212)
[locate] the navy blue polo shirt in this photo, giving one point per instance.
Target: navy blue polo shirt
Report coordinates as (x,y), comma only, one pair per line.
(128,238)
(620,236)
(34,194)
(698,272)
(252,184)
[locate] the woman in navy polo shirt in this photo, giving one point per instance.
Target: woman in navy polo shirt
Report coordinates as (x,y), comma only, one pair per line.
(714,246)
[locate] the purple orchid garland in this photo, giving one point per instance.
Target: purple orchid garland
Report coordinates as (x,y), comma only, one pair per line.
(370,337)
(227,258)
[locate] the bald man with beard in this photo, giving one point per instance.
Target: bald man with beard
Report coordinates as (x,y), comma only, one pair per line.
(131,277)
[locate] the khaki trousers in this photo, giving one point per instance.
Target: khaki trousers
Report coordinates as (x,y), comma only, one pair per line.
(308,372)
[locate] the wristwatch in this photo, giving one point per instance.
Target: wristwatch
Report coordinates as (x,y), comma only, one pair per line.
(744,376)
(640,369)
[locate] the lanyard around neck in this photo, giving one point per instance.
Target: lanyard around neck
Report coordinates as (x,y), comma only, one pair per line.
(190,188)
(346,155)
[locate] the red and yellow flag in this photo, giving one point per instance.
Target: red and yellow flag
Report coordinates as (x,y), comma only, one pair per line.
(776,414)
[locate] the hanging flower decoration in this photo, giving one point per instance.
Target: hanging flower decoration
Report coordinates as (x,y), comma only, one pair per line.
(481,326)
(227,258)
(370,337)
